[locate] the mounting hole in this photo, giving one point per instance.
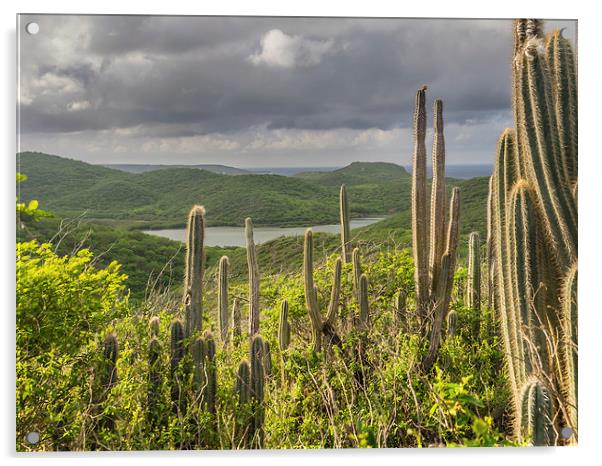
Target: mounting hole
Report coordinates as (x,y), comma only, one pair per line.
(32,437)
(566,432)
(32,28)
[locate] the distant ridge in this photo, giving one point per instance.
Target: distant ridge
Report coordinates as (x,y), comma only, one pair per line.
(143,168)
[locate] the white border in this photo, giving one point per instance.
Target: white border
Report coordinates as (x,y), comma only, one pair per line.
(590,227)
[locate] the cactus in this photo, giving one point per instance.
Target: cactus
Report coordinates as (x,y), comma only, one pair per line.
(210,389)
(345,229)
(267,359)
(534,231)
(223,299)
(536,414)
(110,353)
(194,266)
(176,355)
(433,288)
(445,280)
(253,279)
(243,383)
(320,326)
(357,272)
(198,350)
(257,391)
(419,216)
(452,322)
(364,309)
(437,238)
(284,330)
(154,379)
(236,320)
(153,326)
(401,299)
(473,284)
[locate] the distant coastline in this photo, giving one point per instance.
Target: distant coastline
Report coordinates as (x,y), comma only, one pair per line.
(464,171)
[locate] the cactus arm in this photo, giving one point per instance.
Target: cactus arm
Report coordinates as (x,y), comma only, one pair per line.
(345,228)
(335,292)
(437,237)
(419,217)
(194,267)
(223,299)
(253,279)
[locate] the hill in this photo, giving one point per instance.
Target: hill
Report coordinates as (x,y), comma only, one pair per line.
(162,198)
(142,168)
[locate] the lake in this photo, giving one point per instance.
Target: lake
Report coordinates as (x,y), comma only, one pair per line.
(235,236)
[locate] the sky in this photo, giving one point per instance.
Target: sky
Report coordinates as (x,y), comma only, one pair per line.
(260,91)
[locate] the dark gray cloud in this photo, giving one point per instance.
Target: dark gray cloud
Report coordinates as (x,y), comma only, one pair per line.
(242,82)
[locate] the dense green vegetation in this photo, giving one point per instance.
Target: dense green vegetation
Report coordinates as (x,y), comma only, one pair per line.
(68,188)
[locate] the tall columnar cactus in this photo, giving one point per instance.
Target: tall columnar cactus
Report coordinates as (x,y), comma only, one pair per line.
(429,247)
(452,323)
(345,229)
(253,279)
(210,388)
(473,283)
(401,300)
(257,391)
(236,319)
(445,280)
(267,359)
(536,415)
(176,355)
(155,375)
(223,299)
(110,354)
(357,272)
(534,225)
(320,326)
(437,239)
(242,387)
(364,307)
(243,383)
(419,211)
(154,325)
(284,330)
(490,248)
(194,266)
(198,350)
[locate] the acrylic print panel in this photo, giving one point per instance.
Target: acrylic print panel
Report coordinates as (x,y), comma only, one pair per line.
(230,234)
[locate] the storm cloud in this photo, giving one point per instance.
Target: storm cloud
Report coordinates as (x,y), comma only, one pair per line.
(259,91)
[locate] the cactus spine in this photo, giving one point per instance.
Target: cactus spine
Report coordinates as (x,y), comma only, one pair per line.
(345,229)
(194,265)
(319,324)
(223,299)
(284,330)
(253,279)
(534,230)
